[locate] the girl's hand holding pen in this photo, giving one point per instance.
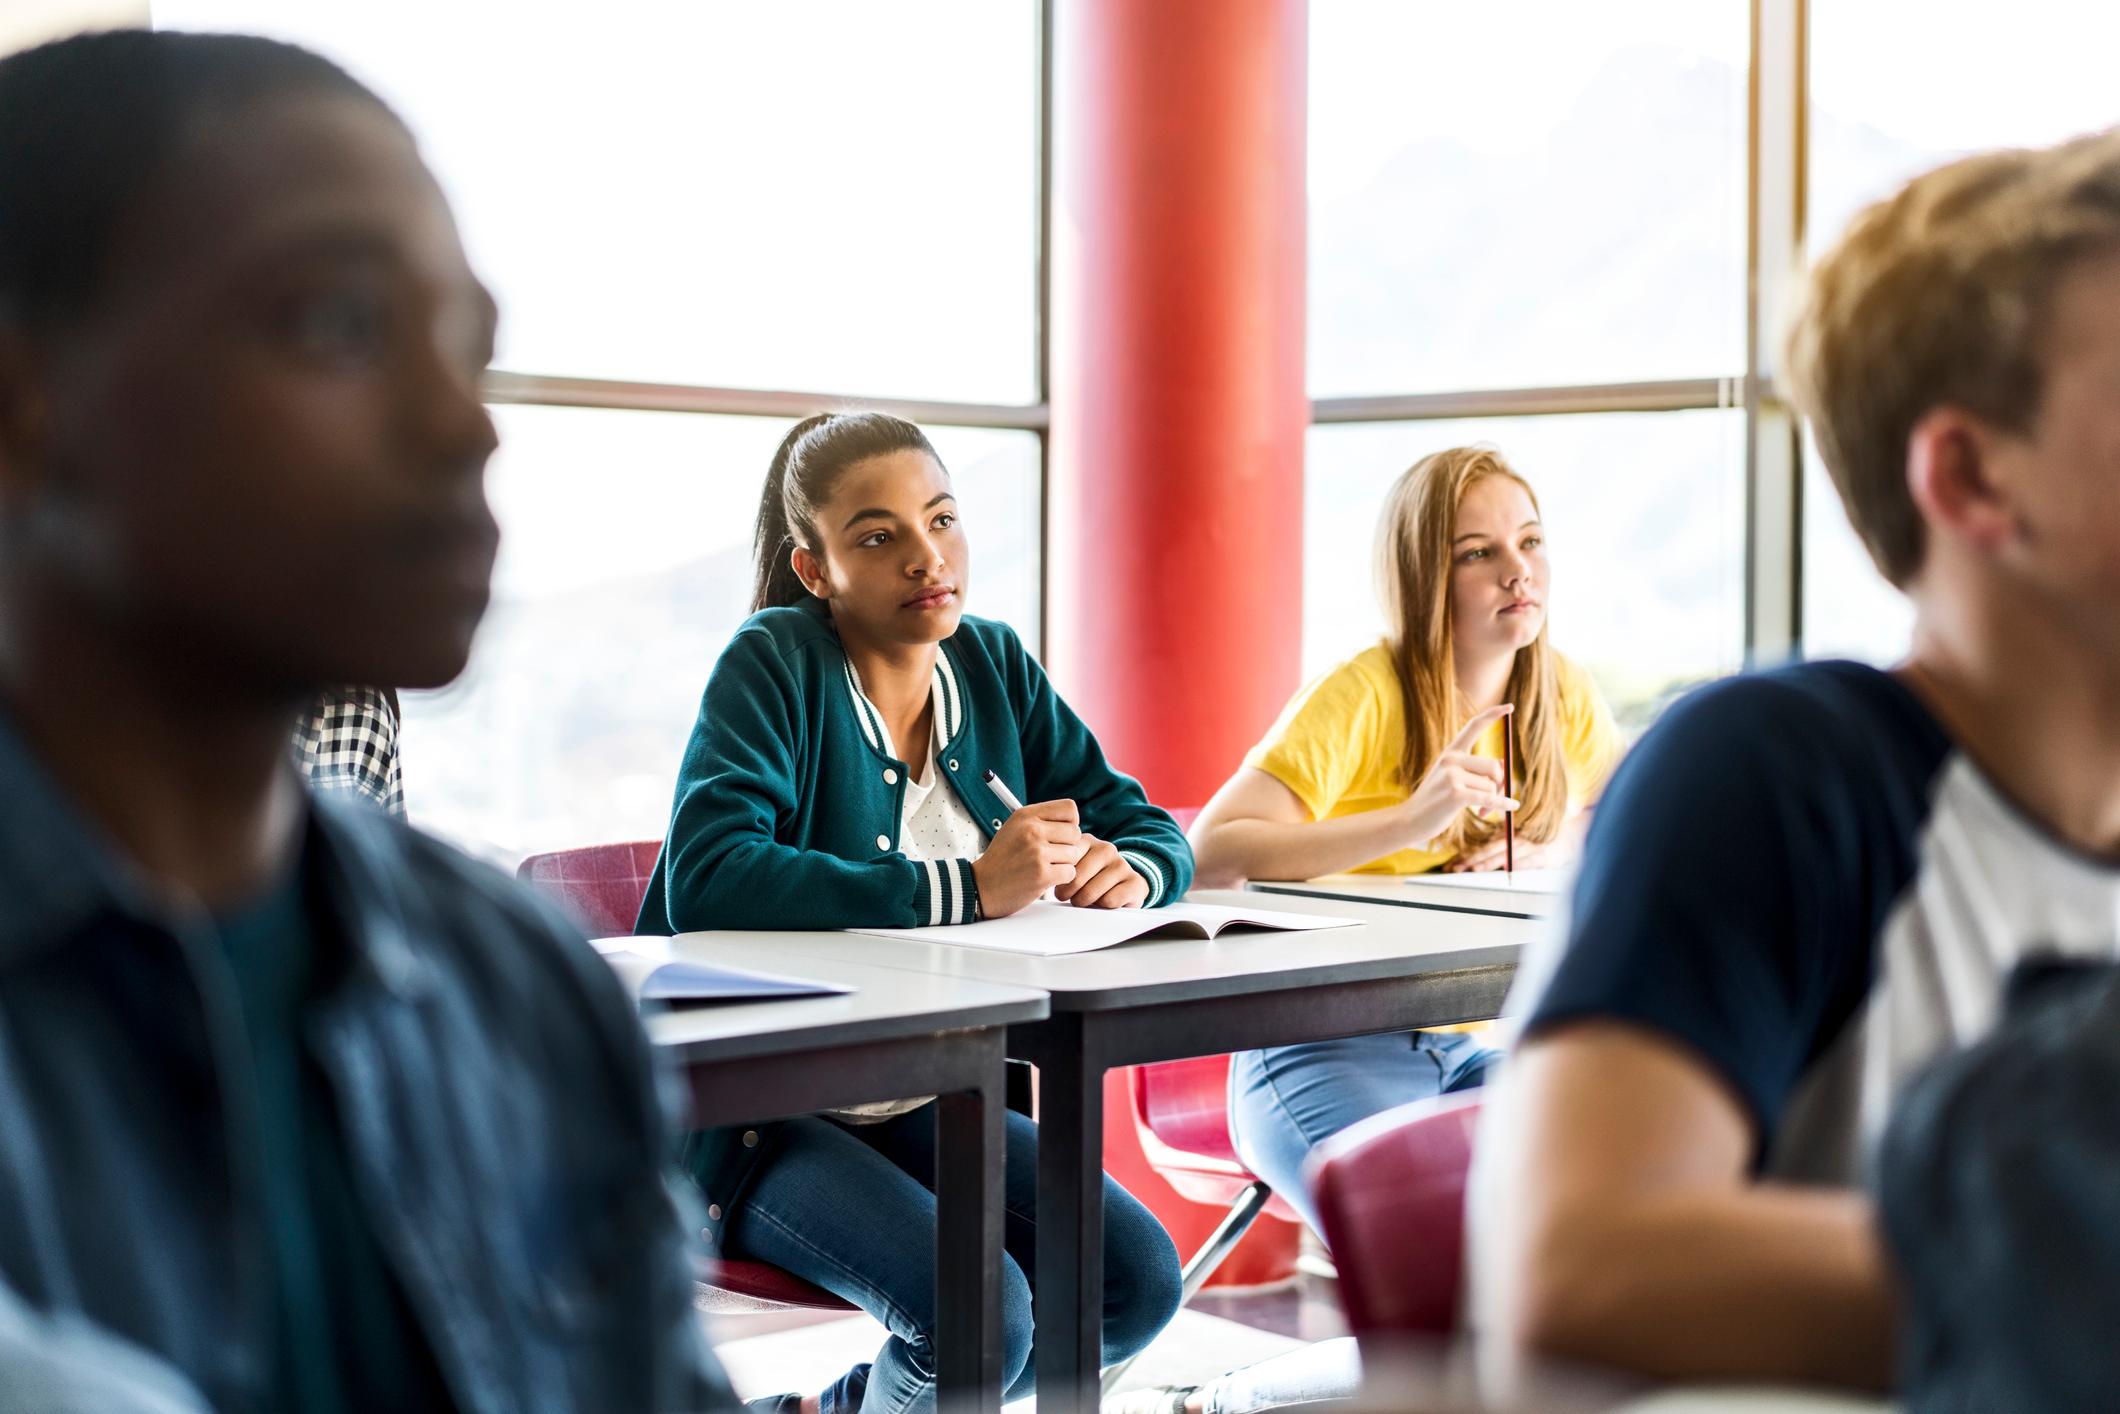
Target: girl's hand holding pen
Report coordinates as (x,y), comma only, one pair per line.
(1036,848)
(1457,781)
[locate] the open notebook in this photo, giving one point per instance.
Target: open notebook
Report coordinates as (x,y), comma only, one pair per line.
(653,972)
(1055,929)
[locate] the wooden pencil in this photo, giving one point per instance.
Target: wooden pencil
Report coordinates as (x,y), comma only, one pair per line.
(1509,785)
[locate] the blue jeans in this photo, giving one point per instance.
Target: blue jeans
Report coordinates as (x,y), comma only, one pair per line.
(851,1208)
(1285,1101)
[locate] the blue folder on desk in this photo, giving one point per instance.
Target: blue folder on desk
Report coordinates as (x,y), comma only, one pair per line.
(653,972)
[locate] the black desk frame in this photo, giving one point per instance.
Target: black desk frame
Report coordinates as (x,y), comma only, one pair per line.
(964,1069)
(1089,1033)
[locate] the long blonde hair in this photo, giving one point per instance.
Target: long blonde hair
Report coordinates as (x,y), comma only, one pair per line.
(1415,535)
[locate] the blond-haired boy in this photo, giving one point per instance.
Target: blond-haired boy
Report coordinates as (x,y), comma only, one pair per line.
(1806,883)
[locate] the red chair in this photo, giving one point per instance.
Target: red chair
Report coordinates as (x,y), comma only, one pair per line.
(1181,1122)
(1391,1195)
(602,885)
(1181,1113)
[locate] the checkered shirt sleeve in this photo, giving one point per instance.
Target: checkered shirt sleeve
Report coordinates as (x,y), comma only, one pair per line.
(349,742)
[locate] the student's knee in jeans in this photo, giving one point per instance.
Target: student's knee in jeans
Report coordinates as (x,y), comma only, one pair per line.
(1016,1322)
(1016,1329)
(1142,1283)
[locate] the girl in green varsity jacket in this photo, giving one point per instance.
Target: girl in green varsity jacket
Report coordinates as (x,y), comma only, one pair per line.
(836,778)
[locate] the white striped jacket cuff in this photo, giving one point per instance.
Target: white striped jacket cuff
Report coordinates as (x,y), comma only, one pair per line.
(1148,869)
(944,892)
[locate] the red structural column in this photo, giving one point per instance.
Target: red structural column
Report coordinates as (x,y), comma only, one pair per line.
(1175,574)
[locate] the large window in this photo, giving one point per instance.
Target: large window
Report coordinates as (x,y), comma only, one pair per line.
(1880,113)
(1546,196)
(1553,226)
(675,204)
(1585,211)
(1898,86)
(1525,195)
(816,194)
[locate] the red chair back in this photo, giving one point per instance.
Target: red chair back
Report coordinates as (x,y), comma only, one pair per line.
(601,884)
(1181,1117)
(734,1287)
(1184,1104)
(1391,1196)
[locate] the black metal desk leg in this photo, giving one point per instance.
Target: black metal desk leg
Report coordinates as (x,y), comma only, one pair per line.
(969,1158)
(1069,1295)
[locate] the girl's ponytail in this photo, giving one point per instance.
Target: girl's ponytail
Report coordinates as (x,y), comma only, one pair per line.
(774,583)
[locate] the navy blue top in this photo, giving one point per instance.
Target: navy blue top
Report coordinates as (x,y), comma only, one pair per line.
(1741,867)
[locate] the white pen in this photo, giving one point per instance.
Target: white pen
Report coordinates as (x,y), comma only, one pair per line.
(1002,793)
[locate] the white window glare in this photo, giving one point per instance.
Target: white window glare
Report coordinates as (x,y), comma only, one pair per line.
(823,195)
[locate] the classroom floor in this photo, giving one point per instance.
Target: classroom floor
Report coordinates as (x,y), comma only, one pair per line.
(771,1354)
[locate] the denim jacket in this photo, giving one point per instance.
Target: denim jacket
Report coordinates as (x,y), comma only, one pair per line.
(499,1115)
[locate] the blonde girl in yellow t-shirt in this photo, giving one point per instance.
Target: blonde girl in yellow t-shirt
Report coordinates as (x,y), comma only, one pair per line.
(1462,570)
(1391,763)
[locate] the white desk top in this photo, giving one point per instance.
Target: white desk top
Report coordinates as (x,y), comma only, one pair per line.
(1478,894)
(1393,942)
(887,1003)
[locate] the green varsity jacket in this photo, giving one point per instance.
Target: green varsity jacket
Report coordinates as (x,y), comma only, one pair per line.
(787,805)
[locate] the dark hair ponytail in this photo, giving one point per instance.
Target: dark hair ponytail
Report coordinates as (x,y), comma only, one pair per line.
(809,462)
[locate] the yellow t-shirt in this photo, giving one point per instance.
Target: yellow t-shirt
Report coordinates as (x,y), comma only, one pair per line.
(1337,746)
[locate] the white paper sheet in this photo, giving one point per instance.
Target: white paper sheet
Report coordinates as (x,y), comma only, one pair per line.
(1057,929)
(1523,881)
